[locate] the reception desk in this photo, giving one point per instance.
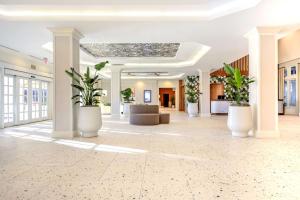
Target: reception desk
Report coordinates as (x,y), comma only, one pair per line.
(222,106)
(219,106)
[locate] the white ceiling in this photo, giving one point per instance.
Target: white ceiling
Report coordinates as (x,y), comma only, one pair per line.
(224,35)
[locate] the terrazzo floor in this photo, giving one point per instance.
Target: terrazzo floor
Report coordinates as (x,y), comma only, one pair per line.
(187,159)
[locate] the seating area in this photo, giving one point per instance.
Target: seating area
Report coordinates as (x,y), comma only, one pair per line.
(147,115)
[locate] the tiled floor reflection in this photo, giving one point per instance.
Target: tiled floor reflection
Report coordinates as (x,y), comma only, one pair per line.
(187,159)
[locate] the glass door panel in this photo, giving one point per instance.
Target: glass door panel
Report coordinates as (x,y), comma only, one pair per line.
(290,96)
(44,99)
(9,105)
(23,99)
(35,107)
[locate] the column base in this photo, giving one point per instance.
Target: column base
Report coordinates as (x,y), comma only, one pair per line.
(267,134)
(65,134)
(205,114)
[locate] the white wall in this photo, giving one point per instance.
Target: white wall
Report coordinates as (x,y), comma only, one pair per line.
(23,62)
(140,86)
(289,48)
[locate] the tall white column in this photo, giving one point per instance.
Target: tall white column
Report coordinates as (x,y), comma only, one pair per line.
(66,55)
(1,97)
(263,66)
(205,96)
(115,90)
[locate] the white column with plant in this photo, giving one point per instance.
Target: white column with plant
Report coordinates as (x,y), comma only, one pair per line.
(192,95)
(237,91)
(127,100)
(89,119)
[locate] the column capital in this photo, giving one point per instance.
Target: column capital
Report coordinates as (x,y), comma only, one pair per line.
(263,31)
(66,31)
(115,68)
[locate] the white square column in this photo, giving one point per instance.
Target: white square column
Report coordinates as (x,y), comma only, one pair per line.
(204,78)
(263,66)
(66,55)
(1,97)
(115,90)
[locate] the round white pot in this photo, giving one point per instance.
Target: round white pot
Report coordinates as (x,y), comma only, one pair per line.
(193,109)
(126,109)
(89,121)
(240,120)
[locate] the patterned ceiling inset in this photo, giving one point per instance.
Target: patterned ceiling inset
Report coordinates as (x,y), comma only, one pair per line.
(99,50)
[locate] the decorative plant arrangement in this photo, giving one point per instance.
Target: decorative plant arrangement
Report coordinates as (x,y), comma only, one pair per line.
(239,116)
(237,86)
(127,99)
(86,85)
(192,94)
(228,90)
(89,120)
(127,95)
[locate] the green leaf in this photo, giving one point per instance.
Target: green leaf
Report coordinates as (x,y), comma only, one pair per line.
(76,102)
(238,78)
(76,96)
(101,65)
(78,87)
(228,69)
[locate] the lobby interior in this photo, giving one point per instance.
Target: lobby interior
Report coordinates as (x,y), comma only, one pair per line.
(152,48)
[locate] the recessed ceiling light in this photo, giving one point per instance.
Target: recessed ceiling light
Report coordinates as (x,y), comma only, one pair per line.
(125,11)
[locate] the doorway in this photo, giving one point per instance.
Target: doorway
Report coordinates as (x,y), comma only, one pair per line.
(166,100)
(167,97)
(290,96)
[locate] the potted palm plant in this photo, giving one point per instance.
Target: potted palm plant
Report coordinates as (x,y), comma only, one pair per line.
(127,100)
(89,119)
(192,94)
(239,117)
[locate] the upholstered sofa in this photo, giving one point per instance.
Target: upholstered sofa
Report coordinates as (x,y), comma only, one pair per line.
(147,115)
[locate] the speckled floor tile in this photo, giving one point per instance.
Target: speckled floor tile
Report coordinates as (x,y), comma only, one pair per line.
(190,159)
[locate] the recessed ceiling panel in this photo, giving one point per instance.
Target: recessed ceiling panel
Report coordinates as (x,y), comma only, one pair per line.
(111,50)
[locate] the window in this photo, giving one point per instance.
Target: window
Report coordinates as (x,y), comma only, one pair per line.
(293,70)
(35,107)
(293,93)
(9,99)
(285,72)
(44,99)
(23,99)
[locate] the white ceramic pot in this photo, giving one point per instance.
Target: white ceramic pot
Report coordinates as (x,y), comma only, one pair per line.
(89,121)
(193,109)
(126,109)
(240,120)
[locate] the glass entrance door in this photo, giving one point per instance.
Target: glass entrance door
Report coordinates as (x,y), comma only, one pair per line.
(9,100)
(35,100)
(23,100)
(290,96)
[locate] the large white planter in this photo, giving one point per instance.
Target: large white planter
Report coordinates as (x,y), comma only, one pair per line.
(126,109)
(240,120)
(193,109)
(89,121)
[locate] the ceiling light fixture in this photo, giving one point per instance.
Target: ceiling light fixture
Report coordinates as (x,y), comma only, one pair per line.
(124,11)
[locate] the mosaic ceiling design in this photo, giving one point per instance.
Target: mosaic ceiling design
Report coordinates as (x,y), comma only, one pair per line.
(99,50)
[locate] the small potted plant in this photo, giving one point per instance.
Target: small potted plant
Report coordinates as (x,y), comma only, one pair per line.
(192,92)
(239,117)
(127,100)
(89,119)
